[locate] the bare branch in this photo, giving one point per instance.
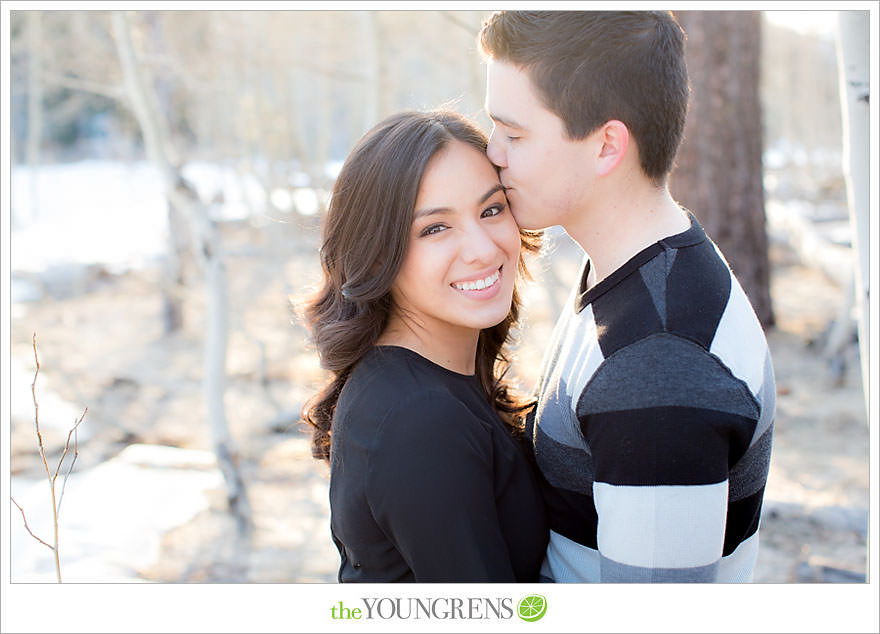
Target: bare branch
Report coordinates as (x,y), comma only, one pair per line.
(72,462)
(85,85)
(67,444)
(337,73)
(28,528)
(457,21)
(49,477)
(37,410)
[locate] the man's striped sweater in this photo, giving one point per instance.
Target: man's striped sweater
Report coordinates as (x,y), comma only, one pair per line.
(654,422)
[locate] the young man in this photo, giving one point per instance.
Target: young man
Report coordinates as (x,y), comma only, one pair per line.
(656,399)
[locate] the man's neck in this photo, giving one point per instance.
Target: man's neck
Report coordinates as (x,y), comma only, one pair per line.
(614,233)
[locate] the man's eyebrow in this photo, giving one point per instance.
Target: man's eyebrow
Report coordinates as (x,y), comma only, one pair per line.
(505,122)
(419,213)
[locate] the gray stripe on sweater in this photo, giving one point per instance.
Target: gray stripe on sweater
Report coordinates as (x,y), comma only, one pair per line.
(613,571)
(671,362)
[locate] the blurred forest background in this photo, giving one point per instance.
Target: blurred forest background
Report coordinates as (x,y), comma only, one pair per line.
(169,170)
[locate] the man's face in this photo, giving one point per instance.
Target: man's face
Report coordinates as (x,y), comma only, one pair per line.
(547,175)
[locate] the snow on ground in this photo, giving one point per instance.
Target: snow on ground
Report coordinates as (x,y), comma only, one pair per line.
(139,495)
(115,214)
(88,212)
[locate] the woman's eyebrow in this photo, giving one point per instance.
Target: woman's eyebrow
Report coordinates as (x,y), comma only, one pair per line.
(490,193)
(428,211)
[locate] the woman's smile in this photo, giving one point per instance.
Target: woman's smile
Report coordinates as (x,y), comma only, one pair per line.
(480,287)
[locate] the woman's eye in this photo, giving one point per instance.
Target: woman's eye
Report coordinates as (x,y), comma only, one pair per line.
(433,229)
(511,139)
(494,210)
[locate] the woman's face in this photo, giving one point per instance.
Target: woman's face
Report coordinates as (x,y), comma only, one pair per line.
(459,272)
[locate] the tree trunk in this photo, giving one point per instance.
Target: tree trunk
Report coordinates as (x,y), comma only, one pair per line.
(174,279)
(377,101)
(207,247)
(852,56)
(35,107)
(372,89)
(719,170)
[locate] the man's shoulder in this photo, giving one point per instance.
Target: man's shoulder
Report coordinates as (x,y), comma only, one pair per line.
(688,291)
(665,369)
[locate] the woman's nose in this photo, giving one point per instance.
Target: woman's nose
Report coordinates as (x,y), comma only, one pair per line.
(479,245)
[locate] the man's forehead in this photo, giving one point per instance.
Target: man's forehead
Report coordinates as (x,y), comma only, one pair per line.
(508,91)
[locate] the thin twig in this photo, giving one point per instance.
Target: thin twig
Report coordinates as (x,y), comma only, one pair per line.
(51,480)
(457,21)
(49,546)
(67,444)
(77,83)
(37,410)
(72,462)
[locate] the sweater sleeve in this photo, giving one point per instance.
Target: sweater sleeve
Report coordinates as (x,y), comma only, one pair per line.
(663,438)
(430,488)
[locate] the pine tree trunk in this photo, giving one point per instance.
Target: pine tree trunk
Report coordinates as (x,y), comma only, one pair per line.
(719,170)
(852,55)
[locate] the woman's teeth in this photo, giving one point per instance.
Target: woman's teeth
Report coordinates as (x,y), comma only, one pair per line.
(476,285)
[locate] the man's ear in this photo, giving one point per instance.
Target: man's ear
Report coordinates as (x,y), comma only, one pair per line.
(614,139)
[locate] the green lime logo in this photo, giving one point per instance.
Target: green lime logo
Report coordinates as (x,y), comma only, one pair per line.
(532,608)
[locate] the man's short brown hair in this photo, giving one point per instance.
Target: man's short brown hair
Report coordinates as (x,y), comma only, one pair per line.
(590,67)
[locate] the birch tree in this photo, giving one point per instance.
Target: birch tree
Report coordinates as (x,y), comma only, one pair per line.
(207,246)
(35,106)
(852,55)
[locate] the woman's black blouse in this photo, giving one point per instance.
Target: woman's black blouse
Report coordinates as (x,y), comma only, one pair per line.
(426,483)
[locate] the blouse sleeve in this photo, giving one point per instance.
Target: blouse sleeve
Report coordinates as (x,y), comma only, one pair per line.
(430,487)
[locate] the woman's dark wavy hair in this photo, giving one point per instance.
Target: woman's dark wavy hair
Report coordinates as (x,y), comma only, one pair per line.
(365,238)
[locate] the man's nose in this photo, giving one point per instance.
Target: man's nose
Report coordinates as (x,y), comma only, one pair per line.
(495,152)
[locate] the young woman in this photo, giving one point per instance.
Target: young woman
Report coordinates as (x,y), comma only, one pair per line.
(428,477)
